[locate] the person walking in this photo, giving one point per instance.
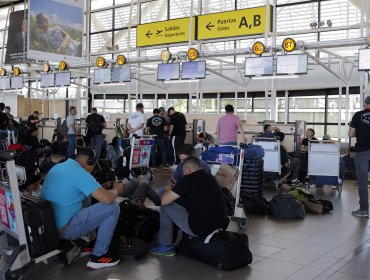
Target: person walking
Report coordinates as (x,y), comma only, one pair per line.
(71,134)
(360,128)
(177,131)
(95,124)
(227,128)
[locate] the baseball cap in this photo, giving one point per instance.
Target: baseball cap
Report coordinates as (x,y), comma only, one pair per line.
(367,100)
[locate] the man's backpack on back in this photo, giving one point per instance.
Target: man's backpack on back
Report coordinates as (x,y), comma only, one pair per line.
(94,125)
(64,128)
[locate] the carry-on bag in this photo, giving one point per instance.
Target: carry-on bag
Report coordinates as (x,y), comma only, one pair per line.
(223,249)
(39,222)
(286,206)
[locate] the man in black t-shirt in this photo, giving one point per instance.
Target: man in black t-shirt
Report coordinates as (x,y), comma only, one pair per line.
(157,125)
(360,128)
(204,210)
(177,131)
(95,124)
(33,119)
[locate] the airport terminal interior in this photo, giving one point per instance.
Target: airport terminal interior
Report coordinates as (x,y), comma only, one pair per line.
(294,64)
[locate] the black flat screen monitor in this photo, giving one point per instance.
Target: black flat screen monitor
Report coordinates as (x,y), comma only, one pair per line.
(168,71)
(47,80)
(364,60)
(292,64)
(121,74)
(193,70)
(5,83)
(259,66)
(16,82)
(102,76)
(63,79)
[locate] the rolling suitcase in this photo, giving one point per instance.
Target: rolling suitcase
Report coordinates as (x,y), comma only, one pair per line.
(39,222)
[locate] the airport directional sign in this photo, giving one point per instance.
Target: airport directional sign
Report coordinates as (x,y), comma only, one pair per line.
(236,23)
(164,32)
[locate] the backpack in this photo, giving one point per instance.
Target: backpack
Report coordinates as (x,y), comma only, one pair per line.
(94,125)
(254,204)
(229,201)
(286,206)
(111,155)
(64,128)
(301,194)
(222,249)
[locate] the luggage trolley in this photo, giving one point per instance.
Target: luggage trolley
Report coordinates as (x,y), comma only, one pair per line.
(140,155)
(17,258)
(272,158)
(324,164)
(237,160)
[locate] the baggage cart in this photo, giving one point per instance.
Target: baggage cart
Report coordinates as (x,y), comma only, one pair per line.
(324,165)
(16,256)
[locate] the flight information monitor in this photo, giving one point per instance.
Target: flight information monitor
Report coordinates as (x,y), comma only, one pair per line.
(168,71)
(121,74)
(5,83)
(259,66)
(63,79)
(193,70)
(16,82)
(292,64)
(102,76)
(364,60)
(47,80)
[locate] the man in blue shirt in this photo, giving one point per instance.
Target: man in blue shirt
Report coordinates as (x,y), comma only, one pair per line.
(66,186)
(185,151)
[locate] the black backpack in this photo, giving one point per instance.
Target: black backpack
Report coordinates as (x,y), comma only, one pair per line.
(229,201)
(254,204)
(94,125)
(286,206)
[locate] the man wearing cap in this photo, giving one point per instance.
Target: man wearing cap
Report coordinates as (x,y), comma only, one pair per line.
(66,186)
(360,128)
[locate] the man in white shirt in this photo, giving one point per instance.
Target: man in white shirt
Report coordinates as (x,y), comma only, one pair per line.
(137,121)
(71,134)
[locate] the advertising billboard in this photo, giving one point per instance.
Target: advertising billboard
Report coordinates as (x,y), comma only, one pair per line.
(17,38)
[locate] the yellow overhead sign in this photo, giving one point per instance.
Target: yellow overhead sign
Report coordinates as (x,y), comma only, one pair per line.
(234,23)
(164,32)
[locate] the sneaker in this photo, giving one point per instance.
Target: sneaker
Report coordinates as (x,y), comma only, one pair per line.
(166,167)
(72,254)
(86,251)
(103,261)
(296,183)
(163,250)
(360,213)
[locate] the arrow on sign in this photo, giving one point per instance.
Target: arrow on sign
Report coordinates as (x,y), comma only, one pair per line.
(148,34)
(208,26)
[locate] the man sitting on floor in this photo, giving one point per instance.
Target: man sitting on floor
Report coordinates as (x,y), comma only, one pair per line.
(185,151)
(66,186)
(204,210)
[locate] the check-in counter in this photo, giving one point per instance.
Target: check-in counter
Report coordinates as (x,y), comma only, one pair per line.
(47,128)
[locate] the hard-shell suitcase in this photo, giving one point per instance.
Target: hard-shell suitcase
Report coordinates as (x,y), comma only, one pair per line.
(224,249)
(39,222)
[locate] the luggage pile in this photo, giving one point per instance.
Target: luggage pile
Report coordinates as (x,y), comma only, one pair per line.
(252,173)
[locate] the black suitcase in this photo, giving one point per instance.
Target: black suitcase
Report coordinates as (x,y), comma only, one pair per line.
(226,250)
(39,222)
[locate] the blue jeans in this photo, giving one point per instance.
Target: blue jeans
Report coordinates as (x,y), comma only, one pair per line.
(100,216)
(362,168)
(229,143)
(96,143)
(160,142)
(71,145)
(169,215)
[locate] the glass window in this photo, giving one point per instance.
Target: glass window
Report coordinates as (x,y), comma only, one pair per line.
(97,4)
(99,42)
(209,105)
(122,17)
(180,105)
(153,11)
(101,21)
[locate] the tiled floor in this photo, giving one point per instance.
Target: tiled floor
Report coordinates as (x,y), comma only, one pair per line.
(331,246)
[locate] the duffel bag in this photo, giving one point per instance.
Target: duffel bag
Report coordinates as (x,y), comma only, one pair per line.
(286,206)
(254,204)
(223,249)
(318,206)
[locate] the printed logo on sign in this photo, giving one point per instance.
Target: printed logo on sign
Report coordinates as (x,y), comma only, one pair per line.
(365,118)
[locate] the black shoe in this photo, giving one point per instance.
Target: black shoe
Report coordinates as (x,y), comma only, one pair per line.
(103,261)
